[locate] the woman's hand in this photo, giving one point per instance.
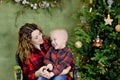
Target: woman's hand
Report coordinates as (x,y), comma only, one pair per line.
(42,72)
(66,71)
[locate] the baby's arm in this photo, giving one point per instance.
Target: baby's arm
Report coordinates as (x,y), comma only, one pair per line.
(65,71)
(65,62)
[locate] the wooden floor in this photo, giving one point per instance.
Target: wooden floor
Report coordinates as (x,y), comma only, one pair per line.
(8,30)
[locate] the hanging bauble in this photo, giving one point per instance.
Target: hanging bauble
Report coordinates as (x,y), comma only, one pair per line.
(97,42)
(117,28)
(83,20)
(86,28)
(110,2)
(78,44)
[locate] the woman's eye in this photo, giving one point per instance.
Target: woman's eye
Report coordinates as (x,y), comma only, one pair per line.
(40,33)
(36,37)
(54,39)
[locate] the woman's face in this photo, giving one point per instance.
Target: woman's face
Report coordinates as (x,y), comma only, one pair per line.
(36,37)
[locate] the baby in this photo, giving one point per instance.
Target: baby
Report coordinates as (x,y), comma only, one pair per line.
(59,56)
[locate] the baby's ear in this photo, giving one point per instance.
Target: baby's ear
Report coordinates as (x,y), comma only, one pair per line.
(64,40)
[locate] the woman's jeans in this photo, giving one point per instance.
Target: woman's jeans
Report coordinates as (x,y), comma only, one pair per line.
(59,77)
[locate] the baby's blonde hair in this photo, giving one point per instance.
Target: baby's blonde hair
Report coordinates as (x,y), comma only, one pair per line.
(61,31)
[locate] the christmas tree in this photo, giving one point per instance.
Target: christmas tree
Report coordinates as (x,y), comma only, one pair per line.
(96,40)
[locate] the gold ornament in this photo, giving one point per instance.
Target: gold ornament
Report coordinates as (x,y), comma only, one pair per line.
(117,28)
(108,20)
(78,44)
(97,42)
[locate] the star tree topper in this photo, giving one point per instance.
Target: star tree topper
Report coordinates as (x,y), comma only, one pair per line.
(108,20)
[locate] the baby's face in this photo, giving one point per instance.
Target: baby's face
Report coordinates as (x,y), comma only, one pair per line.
(58,40)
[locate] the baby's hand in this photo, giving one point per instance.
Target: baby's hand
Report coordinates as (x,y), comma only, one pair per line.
(51,74)
(48,74)
(50,67)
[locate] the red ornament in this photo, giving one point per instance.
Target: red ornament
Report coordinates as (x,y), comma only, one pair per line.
(97,42)
(117,28)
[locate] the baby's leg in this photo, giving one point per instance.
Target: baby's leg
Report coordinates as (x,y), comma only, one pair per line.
(60,77)
(42,78)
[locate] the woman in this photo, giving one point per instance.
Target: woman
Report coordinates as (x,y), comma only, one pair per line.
(32,47)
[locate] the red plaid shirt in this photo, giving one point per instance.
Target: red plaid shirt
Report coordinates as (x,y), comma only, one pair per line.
(35,62)
(60,59)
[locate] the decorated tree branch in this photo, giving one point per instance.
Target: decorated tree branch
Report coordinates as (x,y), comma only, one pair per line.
(96,42)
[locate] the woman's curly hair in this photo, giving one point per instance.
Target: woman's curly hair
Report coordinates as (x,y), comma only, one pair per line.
(24,40)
